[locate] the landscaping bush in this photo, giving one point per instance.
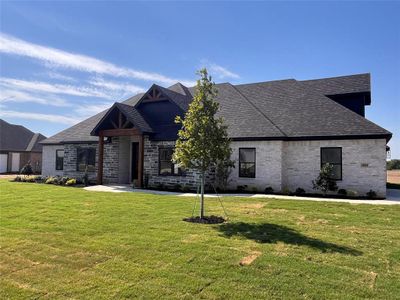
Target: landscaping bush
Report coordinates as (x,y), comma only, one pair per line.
(241,188)
(17,179)
(342,192)
(51,180)
(352,193)
(286,191)
(269,190)
(299,191)
(71,181)
(324,182)
(27,169)
(371,194)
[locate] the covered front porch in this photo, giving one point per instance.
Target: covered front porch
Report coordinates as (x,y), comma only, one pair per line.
(120,147)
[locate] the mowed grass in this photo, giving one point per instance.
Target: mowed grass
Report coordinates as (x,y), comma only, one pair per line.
(60,242)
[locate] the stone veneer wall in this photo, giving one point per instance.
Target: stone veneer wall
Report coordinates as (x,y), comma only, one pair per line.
(70,161)
(190,180)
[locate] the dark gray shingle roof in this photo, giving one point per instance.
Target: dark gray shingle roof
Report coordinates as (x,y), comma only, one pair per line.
(18,138)
(283,109)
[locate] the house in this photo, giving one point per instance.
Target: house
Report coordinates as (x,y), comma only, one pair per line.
(282,132)
(18,146)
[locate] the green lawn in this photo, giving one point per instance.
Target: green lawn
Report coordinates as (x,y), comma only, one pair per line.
(60,242)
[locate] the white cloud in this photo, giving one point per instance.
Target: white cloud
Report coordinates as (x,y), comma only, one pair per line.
(59,58)
(10,95)
(40,117)
(126,88)
(88,110)
(45,87)
(59,76)
(222,72)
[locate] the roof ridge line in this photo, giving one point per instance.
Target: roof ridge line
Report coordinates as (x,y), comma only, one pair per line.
(254,106)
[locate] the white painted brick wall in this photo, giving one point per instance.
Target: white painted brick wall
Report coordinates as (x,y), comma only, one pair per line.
(49,160)
(268,165)
(301,164)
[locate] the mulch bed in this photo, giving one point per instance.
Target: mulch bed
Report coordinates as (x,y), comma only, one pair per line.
(205,220)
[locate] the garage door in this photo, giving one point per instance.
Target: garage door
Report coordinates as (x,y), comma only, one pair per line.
(3,163)
(15,162)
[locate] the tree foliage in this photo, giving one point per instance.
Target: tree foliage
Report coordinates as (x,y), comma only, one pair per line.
(393,164)
(324,181)
(203,139)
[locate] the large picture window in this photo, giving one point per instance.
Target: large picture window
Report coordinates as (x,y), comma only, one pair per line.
(333,156)
(165,164)
(86,158)
(247,162)
(59,159)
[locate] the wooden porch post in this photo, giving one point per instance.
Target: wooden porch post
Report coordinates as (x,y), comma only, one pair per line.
(141,158)
(100,162)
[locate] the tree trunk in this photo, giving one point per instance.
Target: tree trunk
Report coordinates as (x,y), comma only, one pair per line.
(202,196)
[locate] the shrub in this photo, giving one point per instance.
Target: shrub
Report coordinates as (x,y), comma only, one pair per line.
(324,182)
(352,193)
(71,181)
(254,189)
(299,191)
(177,187)
(268,190)
(40,179)
(186,188)
(342,192)
(371,194)
(286,191)
(51,180)
(27,169)
(17,179)
(241,188)
(85,177)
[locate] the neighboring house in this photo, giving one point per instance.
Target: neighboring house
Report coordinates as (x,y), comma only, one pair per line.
(18,146)
(282,132)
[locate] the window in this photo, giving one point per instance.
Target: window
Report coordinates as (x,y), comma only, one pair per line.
(59,159)
(247,162)
(165,164)
(333,156)
(86,158)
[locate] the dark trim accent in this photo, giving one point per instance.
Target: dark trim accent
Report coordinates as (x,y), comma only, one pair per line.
(255,161)
(341,160)
(316,138)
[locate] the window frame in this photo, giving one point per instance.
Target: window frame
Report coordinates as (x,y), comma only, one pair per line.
(255,162)
(87,150)
(57,158)
(341,161)
(181,172)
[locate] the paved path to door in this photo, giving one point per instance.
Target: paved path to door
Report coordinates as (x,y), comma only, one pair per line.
(393,196)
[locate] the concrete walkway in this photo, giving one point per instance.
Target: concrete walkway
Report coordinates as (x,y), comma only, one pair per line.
(393,196)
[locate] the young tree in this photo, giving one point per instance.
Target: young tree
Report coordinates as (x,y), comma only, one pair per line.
(203,140)
(324,181)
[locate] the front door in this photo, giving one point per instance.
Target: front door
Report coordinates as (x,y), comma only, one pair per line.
(135,161)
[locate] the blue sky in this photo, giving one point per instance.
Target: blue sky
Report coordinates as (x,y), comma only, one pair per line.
(62,62)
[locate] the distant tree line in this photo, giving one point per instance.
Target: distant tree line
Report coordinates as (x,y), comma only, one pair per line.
(393,164)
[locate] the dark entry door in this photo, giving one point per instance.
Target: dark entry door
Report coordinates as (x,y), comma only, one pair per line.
(135,161)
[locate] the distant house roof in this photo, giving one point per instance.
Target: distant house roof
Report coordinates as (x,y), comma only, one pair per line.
(18,138)
(281,110)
